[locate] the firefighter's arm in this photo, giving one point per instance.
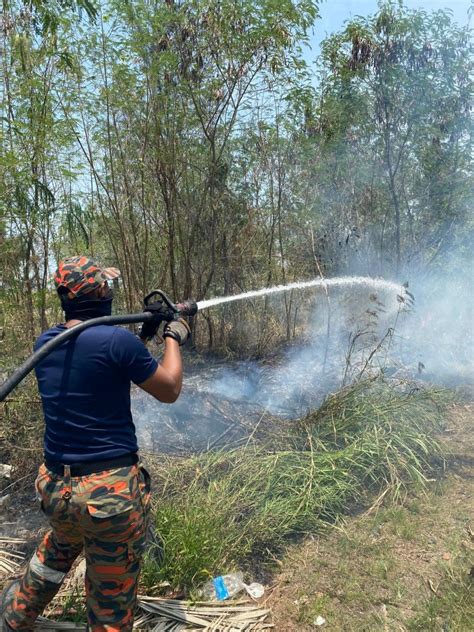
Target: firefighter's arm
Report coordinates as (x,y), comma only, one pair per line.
(165,384)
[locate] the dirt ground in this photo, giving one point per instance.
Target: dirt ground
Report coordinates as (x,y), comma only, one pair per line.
(404,568)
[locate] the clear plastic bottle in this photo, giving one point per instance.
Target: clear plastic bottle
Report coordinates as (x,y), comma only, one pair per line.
(222,587)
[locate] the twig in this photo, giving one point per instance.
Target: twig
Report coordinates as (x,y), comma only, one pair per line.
(255,428)
(17,481)
(221,436)
(377,502)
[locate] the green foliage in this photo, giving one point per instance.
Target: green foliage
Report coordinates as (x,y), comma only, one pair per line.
(73,608)
(46,15)
(219,510)
(34,145)
(22,430)
(395,121)
(413,406)
(184,143)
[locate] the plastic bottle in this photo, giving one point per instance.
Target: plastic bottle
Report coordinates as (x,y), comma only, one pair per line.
(223,587)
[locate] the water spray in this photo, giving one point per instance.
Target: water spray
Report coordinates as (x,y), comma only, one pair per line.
(336,282)
(168,311)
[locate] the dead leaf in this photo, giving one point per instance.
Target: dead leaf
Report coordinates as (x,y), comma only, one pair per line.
(432,587)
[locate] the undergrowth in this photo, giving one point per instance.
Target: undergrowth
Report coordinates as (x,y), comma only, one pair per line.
(218,510)
(21,430)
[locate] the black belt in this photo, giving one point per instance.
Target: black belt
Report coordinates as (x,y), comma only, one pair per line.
(83,469)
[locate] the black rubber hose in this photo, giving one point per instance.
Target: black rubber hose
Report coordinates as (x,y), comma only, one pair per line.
(13,381)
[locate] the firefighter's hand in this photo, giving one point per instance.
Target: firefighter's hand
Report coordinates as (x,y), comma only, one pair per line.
(160,313)
(178,330)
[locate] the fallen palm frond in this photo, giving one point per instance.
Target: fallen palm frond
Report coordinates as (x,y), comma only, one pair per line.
(47,625)
(171,615)
(10,558)
(217,511)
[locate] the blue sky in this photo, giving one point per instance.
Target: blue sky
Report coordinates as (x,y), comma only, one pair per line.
(335,12)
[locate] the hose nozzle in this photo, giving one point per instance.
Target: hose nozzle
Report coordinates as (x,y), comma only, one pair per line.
(187,308)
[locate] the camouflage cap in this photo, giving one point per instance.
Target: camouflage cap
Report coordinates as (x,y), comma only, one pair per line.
(81,275)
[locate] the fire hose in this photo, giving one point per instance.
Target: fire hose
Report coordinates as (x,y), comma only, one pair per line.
(162,309)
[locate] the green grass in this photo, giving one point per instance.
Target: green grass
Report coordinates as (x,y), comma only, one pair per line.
(452,607)
(223,510)
(73,608)
(310,608)
(401,522)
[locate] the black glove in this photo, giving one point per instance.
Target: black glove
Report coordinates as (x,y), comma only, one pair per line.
(160,312)
(178,330)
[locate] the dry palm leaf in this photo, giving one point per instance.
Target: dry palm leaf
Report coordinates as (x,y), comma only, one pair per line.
(10,558)
(46,625)
(156,614)
(170,615)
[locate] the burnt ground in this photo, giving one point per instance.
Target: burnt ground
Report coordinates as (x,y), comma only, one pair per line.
(401,568)
(386,569)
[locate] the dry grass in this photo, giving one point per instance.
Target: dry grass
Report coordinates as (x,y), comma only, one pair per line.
(220,510)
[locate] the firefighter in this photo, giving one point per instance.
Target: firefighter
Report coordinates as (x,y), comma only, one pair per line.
(92,489)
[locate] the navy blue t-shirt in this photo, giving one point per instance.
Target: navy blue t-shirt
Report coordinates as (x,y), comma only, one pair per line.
(85,389)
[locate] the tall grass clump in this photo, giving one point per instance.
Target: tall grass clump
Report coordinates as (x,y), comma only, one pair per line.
(218,510)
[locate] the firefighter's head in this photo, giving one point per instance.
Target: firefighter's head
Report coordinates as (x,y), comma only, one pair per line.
(83,287)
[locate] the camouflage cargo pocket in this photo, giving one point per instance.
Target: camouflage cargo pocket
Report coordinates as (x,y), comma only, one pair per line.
(112,493)
(113,505)
(109,505)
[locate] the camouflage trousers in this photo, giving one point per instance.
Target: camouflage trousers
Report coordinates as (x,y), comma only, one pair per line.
(104,514)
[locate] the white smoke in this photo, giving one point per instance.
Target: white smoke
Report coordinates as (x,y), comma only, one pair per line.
(216,397)
(437,338)
(370,330)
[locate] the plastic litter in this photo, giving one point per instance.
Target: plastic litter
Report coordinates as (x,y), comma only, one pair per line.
(319,620)
(255,590)
(226,586)
(5,470)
